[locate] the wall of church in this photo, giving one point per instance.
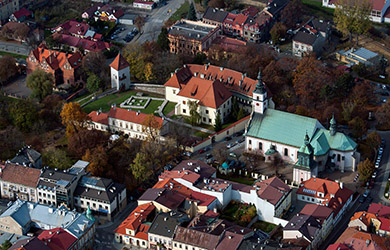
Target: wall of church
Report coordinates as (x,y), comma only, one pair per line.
(119,78)
(300,175)
(342,160)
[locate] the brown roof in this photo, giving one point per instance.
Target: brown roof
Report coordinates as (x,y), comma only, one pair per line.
(364,217)
(196,238)
(356,239)
(119,63)
(317,211)
(56,59)
(197,166)
(136,218)
(20,175)
(99,117)
(229,241)
(272,189)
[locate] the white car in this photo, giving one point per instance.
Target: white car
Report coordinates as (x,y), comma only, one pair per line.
(374,175)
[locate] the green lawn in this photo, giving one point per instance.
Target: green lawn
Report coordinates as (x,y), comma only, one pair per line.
(169,107)
(263,226)
(238,179)
(201,134)
(152,106)
(2,53)
(239,213)
(181,12)
(316,9)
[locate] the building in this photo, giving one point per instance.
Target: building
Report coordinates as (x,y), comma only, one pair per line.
(165,200)
(58,238)
(128,122)
(103,196)
(311,37)
(75,43)
(19,182)
(20,15)
(78,29)
(191,37)
(103,12)
(326,193)
(64,67)
(233,24)
(283,132)
(304,228)
(365,221)
(29,243)
(7,8)
(133,230)
(358,56)
(352,238)
(379,210)
(323,214)
(147,5)
(120,73)
(28,157)
(90,12)
(212,87)
(214,16)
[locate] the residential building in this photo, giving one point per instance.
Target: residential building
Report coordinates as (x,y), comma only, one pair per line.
(323,214)
(352,238)
(165,200)
(213,88)
(20,15)
(384,228)
(32,243)
(103,196)
(365,221)
(311,37)
(64,67)
(7,8)
(107,13)
(233,24)
(134,229)
(147,5)
(128,122)
(78,29)
(214,16)
(58,238)
(19,182)
(358,56)
(90,12)
(120,73)
(326,193)
(28,157)
(75,43)
(303,228)
(274,7)
(162,229)
(11,237)
(191,37)
(282,133)
(379,210)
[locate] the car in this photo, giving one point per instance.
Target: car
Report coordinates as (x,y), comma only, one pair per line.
(201,151)
(209,161)
(292,208)
(122,29)
(238,133)
(230,145)
(369,199)
(187,153)
(232,154)
(228,138)
(114,37)
(377,165)
(362,199)
(383,143)
(208,156)
(366,193)
(373,175)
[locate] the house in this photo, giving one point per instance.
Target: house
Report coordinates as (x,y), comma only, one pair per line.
(19,182)
(274,7)
(20,15)
(64,67)
(78,29)
(133,230)
(379,210)
(58,238)
(359,56)
(311,37)
(120,73)
(103,196)
(107,13)
(365,221)
(147,5)
(75,43)
(326,193)
(128,122)
(28,157)
(90,12)
(352,238)
(29,244)
(165,200)
(233,24)
(162,229)
(212,87)
(11,237)
(323,214)
(384,229)
(7,8)
(127,19)
(191,37)
(250,11)
(285,133)
(303,228)
(214,16)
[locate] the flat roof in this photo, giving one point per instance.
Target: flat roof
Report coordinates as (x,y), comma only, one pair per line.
(191,30)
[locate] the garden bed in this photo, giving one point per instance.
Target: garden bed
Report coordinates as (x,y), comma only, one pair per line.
(263,226)
(239,213)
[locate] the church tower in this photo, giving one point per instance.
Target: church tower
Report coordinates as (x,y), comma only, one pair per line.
(306,166)
(332,126)
(260,101)
(120,73)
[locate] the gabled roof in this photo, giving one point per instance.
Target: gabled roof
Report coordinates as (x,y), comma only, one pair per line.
(21,175)
(272,190)
(98,188)
(215,14)
(119,63)
(99,117)
(305,37)
(379,210)
(356,239)
(57,239)
(26,156)
(307,225)
(196,238)
(317,211)
(197,166)
(364,217)
(323,141)
(250,11)
(29,244)
(136,218)
(22,12)
(56,59)
(385,224)
(185,175)
(229,241)
(164,224)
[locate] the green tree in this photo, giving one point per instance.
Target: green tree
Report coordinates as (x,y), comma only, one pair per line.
(374,140)
(94,83)
(141,168)
(277,32)
(191,12)
(344,85)
(194,113)
(205,3)
(352,17)
(366,169)
(240,114)
(218,123)
(163,40)
(235,107)
(23,114)
(358,127)
(8,68)
(56,158)
(41,84)
(6,245)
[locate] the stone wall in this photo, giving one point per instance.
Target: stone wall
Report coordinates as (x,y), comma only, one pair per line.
(152,88)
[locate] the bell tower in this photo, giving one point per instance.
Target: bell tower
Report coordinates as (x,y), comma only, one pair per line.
(260,101)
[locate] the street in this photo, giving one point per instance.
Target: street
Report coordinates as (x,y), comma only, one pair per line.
(14,47)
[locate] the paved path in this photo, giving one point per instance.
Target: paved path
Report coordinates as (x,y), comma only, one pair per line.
(18,87)
(15,48)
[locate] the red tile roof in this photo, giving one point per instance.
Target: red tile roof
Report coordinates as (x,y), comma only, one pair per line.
(229,44)
(379,210)
(272,189)
(250,11)
(136,218)
(240,20)
(57,239)
(22,12)
(185,175)
(211,213)
(82,42)
(119,63)
(378,4)
(364,217)
(338,246)
(56,59)
(357,240)
(142,232)
(98,117)
(20,175)
(230,240)
(385,224)
(73,27)
(317,211)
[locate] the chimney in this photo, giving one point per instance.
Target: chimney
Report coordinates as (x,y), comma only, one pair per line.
(341,185)
(240,82)
(221,68)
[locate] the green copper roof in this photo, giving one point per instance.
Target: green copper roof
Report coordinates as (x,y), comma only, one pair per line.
(307,149)
(282,127)
(323,141)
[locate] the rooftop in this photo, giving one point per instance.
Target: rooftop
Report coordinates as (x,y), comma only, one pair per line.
(305,224)
(26,156)
(164,224)
(191,29)
(200,167)
(272,189)
(379,210)
(136,218)
(215,14)
(25,176)
(57,239)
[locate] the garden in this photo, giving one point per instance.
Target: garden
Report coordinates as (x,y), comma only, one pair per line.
(239,213)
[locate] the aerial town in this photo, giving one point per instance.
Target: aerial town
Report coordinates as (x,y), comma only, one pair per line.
(195,124)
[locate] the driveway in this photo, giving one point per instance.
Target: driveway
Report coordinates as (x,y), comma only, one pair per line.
(18,87)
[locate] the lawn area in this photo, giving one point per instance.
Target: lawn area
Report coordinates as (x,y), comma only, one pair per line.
(201,134)
(239,213)
(181,12)
(316,9)
(263,226)
(238,179)
(169,107)
(152,106)
(13,55)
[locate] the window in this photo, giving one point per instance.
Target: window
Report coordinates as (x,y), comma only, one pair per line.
(342,158)
(184,111)
(260,145)
(175,245)
(174,91)
(209,120)
(312,199)
(286,152)
(207,112)
(338,157)
(204,119)
(184,102)
(250,142)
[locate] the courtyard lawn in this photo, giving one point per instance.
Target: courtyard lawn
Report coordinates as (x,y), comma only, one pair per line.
(316,9)
(239,213)
(152,106)
(238,179)
(169,107)
(202,134)
(263,226)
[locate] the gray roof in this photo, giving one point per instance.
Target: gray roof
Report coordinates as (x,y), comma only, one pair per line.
(318,24)
(164,224)
(305,37)
(254,243)
(151,194)
(190,30)
(78,167)
(56,175)
(305,224)
(276,6)
(11,237)
(98,188)
(199,167)
(26,156)
(215,14)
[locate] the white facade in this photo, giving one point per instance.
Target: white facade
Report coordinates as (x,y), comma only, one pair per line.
(120,78)
(143,5)
(11,190)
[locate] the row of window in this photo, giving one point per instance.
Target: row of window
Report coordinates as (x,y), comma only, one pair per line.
(126,125)
(285,151)
(48,195)
(94,205)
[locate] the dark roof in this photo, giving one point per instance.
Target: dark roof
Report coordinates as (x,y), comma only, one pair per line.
(229,241)
(215,14)
(305,224)
(98,188)
(170,199)
(29,244)
(255,243)
(26,156)
(276,6)
(190,30)
(196,238)
(199,167)
(164,224)
(305,38)
(318,24)
(21,175)
(57,175)
(151,194)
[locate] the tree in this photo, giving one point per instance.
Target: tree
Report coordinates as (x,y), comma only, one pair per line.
(241,114)
(148,72)
(84,139)
(11,141)
(151,127)
(98,160)
(41,84)
(141,168)
(139,22)
(344,85)
(352,17)
(93,62)
(191,12)
(220,154)
(348,110)
(383,115)
(277,32)
(56,158)
(194,113)
(358,127)
(23,114)
(235,108)
(218,123)
(73,118)
(217,4)
(164,64)
(94,83)
(373,140)
(292,13)
(50,111)
(366,168)
(163,40)
(8,68)
(21,31)
(6,245)
(205,3)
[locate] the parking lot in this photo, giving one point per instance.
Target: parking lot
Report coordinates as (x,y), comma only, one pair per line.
(121,32)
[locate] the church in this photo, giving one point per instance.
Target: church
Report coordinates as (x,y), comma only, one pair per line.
(299,140)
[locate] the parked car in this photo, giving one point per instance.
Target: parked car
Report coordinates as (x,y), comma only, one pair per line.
(232,154)
(230,145)
(362,199)
(366,193)
(187,153)
(291,208)
(374,175)
(201,151)
(242,139)
(208,156)
(228,138)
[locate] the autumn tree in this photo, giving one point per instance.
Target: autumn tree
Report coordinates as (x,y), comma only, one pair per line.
(292,13)
(374,140)
(218,123)
(217,4)
(191,12)
(8,68)
(40,83)
(194,113)
(163,40)
(139,22)
(383,115)
(84,139)
(365,168)
(93,62)
(11,141)
(24,114)
(164,64)
(98,160)
(73,118)
(277,32)
(358,127)
(50,110)
(151,127)
(141,167)
(179,134)
(56,158)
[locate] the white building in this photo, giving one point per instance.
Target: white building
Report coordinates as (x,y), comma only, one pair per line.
(120,73)
(147,5)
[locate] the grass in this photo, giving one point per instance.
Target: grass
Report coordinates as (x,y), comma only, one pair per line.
(152,106)
(169,107)
(263,226)
(315,8)
(81,97)
(2,53)
(238,179)
(239,213)
(180,12)
(202,134)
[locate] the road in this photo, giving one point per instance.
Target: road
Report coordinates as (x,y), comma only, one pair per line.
(15,48)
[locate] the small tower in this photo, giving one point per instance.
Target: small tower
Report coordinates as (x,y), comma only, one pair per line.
(332,127)
(306,166)
(120,73)
(260,101)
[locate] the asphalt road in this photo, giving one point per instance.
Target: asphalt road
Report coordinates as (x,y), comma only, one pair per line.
(15,48)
